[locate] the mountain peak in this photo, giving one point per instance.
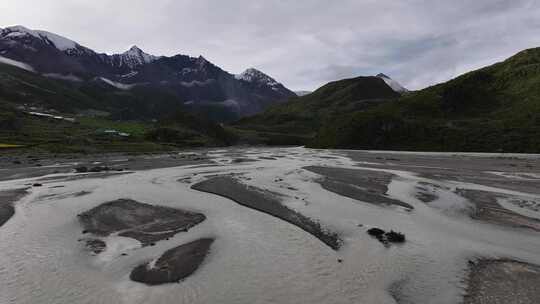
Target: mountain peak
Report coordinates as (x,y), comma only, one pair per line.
(61,43)
(134,49)
(135,57)
(396,86)
(255,76)
(19,28)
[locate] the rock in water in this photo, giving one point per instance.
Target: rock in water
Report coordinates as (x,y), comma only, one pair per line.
(174,265)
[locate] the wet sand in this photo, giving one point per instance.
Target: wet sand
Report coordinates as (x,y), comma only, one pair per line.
(28,166)
(143,222)
(487,209)
(268,203)
(362,185)
(174,265)
(266,260)
(472,167)
(7,198)
(502,282)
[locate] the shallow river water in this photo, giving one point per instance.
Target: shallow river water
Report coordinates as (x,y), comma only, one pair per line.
(255,258)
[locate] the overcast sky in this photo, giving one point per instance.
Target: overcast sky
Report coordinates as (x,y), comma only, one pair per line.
(301,43)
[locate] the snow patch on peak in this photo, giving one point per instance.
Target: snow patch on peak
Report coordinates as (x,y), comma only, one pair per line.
(135,57)
(396,86)
(255,76)
(20,65)
(61,43)
(118,85)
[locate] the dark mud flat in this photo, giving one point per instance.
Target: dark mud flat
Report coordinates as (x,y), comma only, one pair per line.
(143,222)
(174,265)
(489,210)
(458,167)
(60,196)
(266,202)
(67,178)
(503,282)
(26,166)
(7,198)
(362,185)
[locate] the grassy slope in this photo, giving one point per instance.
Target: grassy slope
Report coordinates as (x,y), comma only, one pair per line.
(298,120)
(18,87)
(496,108)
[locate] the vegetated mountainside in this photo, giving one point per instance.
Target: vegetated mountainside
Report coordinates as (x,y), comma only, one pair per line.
(297,121)
(135,83)
(494,109)
(25,95)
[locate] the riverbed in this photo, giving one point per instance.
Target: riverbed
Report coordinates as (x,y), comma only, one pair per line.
(455,209)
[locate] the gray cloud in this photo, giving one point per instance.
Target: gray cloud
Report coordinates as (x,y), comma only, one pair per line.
(302,43)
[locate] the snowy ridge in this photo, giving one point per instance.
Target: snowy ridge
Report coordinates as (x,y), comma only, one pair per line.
(396,86)
(135,57)
(118,85)
(20,65)
(255,76)
(61,43)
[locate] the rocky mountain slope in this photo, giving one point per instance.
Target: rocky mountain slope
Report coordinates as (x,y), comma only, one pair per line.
(494,109)
(187,82)
(303,116)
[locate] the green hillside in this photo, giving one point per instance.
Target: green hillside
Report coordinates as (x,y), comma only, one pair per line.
(496,108)
(95,108)
(298,119)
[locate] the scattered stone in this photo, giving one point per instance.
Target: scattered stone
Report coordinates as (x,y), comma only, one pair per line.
(395,237)
(82,169)
(37,185)
(95,245)
(98,169)
(502,281)
(241,160)
(174,265)
(375,232)
(386,237)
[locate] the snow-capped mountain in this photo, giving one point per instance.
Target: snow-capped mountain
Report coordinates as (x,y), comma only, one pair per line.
(192,80)
(259,79)
(134,57)
(20,32)
(396,86)
(255,76)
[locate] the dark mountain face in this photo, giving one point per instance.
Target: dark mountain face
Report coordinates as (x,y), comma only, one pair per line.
(304,115)
(496,108)
(192,83)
